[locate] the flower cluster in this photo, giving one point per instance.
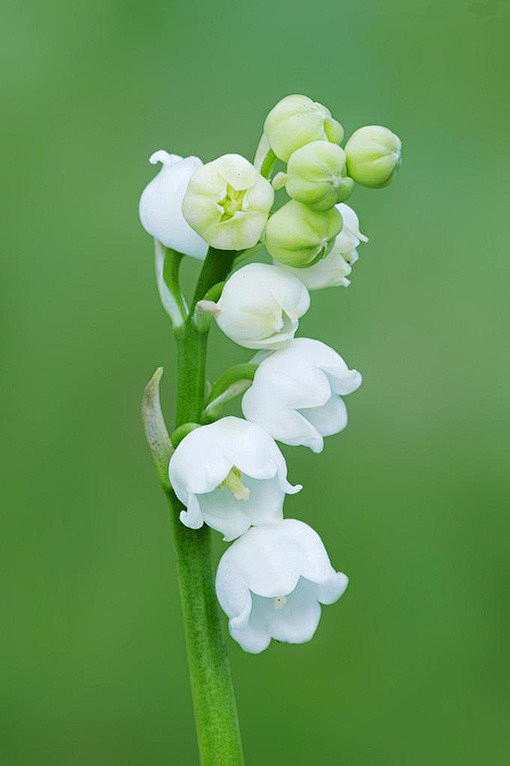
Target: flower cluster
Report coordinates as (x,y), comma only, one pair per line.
(228,472)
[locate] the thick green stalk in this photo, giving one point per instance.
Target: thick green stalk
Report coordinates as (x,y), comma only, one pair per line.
(213,695)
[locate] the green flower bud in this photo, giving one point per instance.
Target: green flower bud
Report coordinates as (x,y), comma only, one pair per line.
(373,153)
(297,235)
(296,121)
(317,175)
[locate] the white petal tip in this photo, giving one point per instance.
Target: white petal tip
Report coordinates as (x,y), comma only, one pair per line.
(292,489)
(164,157)
(184,517)
(209,307)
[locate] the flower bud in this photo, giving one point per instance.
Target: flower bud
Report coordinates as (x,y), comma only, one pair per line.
(160,205)
(317,175)
(297,235)
(260,306)
(296,121)
(373,153)
(227,202)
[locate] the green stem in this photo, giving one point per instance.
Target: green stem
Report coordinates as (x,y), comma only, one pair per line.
(217,725)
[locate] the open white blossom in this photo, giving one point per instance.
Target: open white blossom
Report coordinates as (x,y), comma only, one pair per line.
(260,306)
(271,583)
(160,204)
(335,268)
(229,474)
(227,202)
(296,393)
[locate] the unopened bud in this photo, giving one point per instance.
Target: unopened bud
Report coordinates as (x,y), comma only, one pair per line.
(373,154)
(296,121)
(297,235)
(317,175)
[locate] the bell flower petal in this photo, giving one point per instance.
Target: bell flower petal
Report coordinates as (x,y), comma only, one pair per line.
(229,474)
(260,306)
(350,237)
(160,204)
(271,582)
(295,394)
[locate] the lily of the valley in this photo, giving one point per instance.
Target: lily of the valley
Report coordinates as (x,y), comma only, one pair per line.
(160,204)
(297,120)
(229,474)
(272,581)
(373,154)
(227,202)
(296,393)
(316,175)
(260,306)
(297,235)
(335,268)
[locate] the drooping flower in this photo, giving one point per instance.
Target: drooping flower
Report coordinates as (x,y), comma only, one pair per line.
(316,175)
(271,583)
(297,120)
(373,154)
(297,235)
(227,202)
(260,306)
(160,204)
(296,393)
(335,268)
(229,474)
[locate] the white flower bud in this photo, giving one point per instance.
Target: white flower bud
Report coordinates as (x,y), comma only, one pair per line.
(227,202)
(316,175)
(297,235)
(160,205)
(296,121)
(272,581)
(260,306)
(373,153)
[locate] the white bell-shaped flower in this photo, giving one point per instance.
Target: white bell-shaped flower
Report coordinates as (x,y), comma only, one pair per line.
(229,474)
(296,393)
(160,204)
(271,583)
(335,268)
(260,306)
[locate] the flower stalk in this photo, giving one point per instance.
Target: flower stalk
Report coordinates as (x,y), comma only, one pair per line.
(219,738)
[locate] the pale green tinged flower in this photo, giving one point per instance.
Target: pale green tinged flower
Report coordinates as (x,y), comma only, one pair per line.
(260,306)
(272,581)
(160,204)
(227,202)
(373,153)
(296,394)
(335,268)
(297,235)
(296,121)
(229,474)
(316,175)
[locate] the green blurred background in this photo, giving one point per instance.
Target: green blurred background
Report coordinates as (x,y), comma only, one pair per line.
(411,500)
